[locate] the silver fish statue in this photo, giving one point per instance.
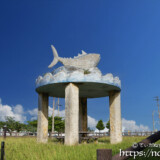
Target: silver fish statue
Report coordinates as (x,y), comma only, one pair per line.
(83,61)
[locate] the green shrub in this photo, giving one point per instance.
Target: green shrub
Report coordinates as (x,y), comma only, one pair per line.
(87,71)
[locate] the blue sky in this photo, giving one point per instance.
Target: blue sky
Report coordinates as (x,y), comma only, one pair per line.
(125,33)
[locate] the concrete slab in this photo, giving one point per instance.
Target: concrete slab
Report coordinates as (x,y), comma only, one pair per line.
(86,89)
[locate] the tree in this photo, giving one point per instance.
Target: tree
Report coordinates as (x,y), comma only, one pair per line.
(100,125)
(50,124)
(89,129)
(59,124)
(11,124)
(108,125)
(33,123)
(2,124)
(31,126)
(18,126)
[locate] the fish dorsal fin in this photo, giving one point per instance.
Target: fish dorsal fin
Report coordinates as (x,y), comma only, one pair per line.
(80,55)
(83,52)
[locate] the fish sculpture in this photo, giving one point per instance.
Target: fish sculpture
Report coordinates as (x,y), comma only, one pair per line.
(83,61)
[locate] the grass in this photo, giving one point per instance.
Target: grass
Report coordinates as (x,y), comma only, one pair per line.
(25,148)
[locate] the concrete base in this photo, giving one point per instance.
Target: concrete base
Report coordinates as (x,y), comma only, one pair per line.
(115,117)
(42,129)
(82,114)
(71,114)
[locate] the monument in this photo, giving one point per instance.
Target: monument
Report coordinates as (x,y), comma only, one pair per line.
(76,81)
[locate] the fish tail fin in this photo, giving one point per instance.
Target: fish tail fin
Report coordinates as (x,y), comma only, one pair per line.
(55,54)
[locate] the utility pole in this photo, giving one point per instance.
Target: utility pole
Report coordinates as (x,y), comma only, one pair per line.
(157,99)
(53,114)
(58,106)
(153,121)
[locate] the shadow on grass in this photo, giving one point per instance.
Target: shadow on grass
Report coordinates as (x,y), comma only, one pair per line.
(104,140)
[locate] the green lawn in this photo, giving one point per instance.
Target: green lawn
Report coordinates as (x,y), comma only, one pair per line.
(28,149)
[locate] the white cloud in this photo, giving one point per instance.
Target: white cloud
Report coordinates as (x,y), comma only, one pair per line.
(132,126)
(34,113)
(126,125)
(61,113)
(92,122)
(18,109)
(16,112)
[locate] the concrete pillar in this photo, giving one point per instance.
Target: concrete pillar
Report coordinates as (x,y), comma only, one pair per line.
(71,114)
(82,114)
(115,117)
(42,129)
(53,115)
